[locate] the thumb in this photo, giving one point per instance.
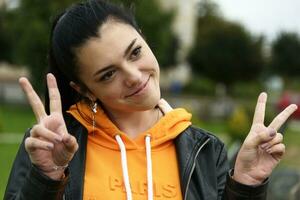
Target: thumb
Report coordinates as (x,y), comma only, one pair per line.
(70,142)
(263,136)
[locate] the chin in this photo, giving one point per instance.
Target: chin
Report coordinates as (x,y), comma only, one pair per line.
(147,104)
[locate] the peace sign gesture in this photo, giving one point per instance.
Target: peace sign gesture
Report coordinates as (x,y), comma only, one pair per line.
(50,146)
(263,148)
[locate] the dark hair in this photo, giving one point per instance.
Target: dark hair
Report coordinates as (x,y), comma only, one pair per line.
(70,30)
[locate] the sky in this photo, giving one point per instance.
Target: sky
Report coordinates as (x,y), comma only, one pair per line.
(267,17)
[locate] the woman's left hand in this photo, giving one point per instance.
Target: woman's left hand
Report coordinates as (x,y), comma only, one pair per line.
(263,148)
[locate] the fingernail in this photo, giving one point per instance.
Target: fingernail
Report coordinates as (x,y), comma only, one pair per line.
(67,139)
(58,139)
(50,146)
(272,133)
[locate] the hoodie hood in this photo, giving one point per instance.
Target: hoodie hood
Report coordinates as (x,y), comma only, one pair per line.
(166,129)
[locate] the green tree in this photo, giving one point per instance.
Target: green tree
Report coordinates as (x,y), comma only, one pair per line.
(30,29)
(224,51)
(30,24)
(5,46)
(285,59)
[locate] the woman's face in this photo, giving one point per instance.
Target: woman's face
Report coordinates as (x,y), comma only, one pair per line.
(120,69)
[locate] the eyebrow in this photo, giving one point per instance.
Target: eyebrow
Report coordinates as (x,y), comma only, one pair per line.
(125,54)
(129,47)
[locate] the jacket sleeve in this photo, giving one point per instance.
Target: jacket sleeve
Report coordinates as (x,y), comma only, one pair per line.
(26,182)
(234,190)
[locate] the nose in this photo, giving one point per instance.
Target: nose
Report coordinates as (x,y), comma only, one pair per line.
(132,75)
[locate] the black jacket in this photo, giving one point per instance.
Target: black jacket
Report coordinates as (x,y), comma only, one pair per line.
(202,159)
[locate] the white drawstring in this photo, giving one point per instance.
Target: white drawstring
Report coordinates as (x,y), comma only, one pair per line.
(149,167)
(125,168)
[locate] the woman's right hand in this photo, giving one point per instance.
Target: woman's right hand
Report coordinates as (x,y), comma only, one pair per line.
(49,145)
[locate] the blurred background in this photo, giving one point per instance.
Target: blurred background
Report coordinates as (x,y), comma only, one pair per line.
(215,58)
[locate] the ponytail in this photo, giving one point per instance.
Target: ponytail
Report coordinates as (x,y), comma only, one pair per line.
(68,95)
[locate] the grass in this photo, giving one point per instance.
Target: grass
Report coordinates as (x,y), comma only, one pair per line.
(7,155)
(15,119)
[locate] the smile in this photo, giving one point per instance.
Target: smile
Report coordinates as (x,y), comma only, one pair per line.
(139,89)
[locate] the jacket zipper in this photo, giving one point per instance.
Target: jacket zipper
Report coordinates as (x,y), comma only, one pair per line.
(193,167)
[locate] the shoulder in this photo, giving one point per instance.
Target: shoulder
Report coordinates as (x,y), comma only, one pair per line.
(196,133)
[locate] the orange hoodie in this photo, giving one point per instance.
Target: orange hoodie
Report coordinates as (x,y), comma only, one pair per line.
(115,174)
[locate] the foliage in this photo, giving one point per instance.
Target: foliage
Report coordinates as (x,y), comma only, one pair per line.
(1,121)
(5,47)
(200,85)
(285,58)
(246,90)
(29,29)
(238,124)
(224,51)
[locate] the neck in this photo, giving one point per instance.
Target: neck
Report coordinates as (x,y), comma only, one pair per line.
(135,123)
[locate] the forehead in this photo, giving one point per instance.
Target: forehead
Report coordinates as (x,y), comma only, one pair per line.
(112,28)
(114,35)
(114,38)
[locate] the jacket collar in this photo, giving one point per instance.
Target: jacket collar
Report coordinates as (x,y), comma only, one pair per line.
(188,145)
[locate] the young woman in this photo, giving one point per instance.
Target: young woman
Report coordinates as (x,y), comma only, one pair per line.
(119,140)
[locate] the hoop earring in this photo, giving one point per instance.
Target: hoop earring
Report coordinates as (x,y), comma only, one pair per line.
(94,111)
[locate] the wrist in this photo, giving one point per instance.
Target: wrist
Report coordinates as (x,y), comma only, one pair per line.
(245,178)
(56,175)
(55,172)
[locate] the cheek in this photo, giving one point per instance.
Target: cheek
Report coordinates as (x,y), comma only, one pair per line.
(150,62)
(108,94)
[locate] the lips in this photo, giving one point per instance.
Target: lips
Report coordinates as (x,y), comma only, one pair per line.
(140,88)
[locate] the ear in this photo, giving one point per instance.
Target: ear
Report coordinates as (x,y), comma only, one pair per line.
(78,89)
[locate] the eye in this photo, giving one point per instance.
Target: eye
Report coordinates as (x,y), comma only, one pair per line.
(108,75)
(135,53)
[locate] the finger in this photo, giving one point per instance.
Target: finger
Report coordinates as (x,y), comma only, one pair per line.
(259,114)
(276,140)
(39,131)
(164,106)
(283,116)
(31,144)
(34,100)
(70,143)
(278,149)
(54,95)
(260,138)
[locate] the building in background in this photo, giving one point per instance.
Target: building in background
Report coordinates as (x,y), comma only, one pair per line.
(184,23)
(10,4)
(184,28)
(2,3)
(10,91)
